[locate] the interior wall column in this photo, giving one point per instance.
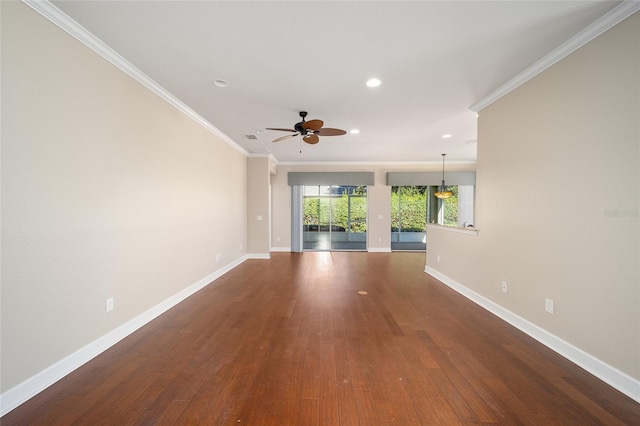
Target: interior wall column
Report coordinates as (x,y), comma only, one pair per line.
(258,209)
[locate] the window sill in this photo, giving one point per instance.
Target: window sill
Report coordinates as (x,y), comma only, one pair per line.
(468,231)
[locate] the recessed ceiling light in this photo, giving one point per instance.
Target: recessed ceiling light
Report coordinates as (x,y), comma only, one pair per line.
(221,83)
(446,136)
(373,82)
(260,131)
(354,131)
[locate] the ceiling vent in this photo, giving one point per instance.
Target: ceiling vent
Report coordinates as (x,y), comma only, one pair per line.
(252,137)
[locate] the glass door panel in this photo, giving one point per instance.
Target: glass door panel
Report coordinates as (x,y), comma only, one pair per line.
(323,238)
(310,217)
(409,217)
(356,224)
(334,218)
(349,218)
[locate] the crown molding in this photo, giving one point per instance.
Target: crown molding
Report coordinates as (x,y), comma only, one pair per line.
(375,163)
(604,23)
(62,20)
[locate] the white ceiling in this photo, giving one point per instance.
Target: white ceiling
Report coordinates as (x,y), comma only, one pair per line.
(435,60)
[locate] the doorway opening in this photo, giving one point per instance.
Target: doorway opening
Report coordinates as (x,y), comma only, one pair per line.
(334,218)
(409,217)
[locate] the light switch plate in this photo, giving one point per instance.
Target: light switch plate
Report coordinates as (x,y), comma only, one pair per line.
(109,304)
(548,305)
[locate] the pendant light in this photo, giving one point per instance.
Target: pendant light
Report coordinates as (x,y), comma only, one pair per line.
(442,193)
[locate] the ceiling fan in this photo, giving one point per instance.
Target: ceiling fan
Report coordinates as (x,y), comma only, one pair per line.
(310,130)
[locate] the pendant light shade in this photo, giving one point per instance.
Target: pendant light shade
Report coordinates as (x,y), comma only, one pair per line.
(442,193)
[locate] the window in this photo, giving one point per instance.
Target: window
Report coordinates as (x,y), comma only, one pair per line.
(456,210)
(408,217)
(334,217)
(412,207)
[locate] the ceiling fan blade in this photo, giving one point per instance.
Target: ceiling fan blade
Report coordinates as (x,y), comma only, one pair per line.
(284,138)
(311,139)
(280,130)
(328,131)
(312,125)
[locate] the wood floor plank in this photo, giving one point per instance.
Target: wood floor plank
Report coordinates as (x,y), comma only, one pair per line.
(290,341)
(557,384)
(308,412)
(439,402)
(421,404)
(366,406)
(328,391)
(347,407)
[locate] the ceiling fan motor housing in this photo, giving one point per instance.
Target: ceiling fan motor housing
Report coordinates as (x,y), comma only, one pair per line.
(309,130)
(298,126)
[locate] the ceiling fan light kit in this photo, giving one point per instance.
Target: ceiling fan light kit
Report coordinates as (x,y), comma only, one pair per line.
(442,194)
(309,130)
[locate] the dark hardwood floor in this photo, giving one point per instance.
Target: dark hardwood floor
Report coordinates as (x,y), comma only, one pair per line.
(290,341)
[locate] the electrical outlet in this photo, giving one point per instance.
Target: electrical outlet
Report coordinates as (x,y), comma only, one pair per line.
(109,304)
(438,258)
(278,239)
(259,217)
(548,305)
(505,287)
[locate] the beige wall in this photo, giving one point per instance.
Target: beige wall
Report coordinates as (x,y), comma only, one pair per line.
(379,199)
(258,214)
(107,191)
(557,200)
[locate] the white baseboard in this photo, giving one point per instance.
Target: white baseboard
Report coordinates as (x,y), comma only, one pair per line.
(608,374)
(379,249)
(281,249)
(42,380)
(258,255)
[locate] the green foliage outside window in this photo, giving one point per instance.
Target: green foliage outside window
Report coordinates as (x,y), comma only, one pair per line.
(407,215)
(310,211)
(408,208)
(450,206)
(318,211)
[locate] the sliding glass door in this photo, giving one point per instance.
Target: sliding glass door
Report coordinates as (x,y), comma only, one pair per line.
(334,217)
(409,217)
